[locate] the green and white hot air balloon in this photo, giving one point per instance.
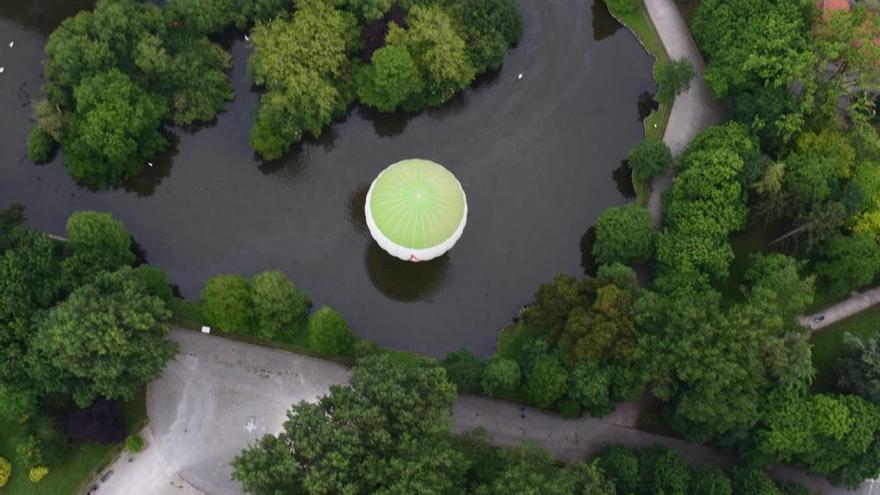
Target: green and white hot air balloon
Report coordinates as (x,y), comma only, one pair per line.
(416,210)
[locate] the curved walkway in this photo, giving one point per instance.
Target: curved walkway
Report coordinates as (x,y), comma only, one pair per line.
(219,395)
(693,110)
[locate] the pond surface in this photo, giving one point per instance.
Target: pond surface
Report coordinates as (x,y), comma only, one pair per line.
(537,156)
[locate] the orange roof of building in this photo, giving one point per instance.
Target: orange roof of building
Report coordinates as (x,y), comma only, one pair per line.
(829,7)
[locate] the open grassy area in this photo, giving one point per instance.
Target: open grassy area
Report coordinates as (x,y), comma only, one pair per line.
(828,345)
(85,461)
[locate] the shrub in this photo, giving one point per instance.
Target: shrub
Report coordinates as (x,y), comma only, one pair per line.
(134,443)
(39,146)
(752,482)
(29,451)
(649,159)
(390,80)
(227,303)
(37,473)
(155,281)
(464,370)
(5,471)
(52,444)
(279,307)
(101,234)
(860,367)
(673,78)
(500,375)
(618,7)
(329,333)
(624,233)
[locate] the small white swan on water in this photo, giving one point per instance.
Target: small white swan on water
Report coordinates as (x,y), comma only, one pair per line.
(519,76)
(246,38)
(11,44)
(150,163)
(2,69)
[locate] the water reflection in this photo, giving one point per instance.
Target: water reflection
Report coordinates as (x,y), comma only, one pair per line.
(604,24)
(403,280)
(386,125)
(588,261)
(144,183)
(646,105)
(622,176)
(356,214)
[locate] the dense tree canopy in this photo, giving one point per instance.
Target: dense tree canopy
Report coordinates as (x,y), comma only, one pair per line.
(106,339)
(623,234)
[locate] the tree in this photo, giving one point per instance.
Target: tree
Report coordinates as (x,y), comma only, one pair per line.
(464,370)
(40,146)
(227,303)
(369,10)
(545,381)
(859,367)
(673,78)
(489,28)
(303,62)
(202,17)
(279,306)
(624,233)
(620,465)
(96,242)
(663,471)
(603,332)
(649,159)
(29,278)
(752,482)
(850,262)
(531,471)
(390,80)
(385,433)
(777,276)
(438,50)
(709,481)
(115,130)
(329,333)
(107,339)
(501,375)
(553,303)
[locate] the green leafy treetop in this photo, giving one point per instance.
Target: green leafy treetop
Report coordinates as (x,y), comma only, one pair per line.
(107,339)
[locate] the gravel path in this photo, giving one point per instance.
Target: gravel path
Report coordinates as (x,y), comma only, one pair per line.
(856,303)
(693,110)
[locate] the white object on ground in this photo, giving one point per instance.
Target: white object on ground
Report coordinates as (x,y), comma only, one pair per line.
(519,76)
(206,329)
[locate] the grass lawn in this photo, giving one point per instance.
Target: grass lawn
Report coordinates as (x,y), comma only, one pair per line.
(828,345)
(188,315)
(84,462)
(655,124)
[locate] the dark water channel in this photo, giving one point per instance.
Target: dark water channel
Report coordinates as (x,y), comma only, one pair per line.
(539,158)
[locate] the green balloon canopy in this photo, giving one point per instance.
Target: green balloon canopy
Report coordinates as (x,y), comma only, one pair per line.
(416,210)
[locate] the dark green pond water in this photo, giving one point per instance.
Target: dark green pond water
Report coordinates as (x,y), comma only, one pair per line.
(539,158)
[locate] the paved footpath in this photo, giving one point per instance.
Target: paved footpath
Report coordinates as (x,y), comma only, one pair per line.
(220,395)
(693,110)
(856,303)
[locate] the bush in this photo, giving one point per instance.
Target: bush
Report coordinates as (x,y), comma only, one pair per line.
(624,233)
(154,281)
(500,375)
(673,78)
(620,465)
(281,309)
(134,443)
(39,146)
(618,7)
(390,80)
(329,333)
(464,370)
(100,234)
(29,451)
(5,471)
(37,473)
(649,159)
(860,367)
(752,482)
(227,303)
(43,442)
